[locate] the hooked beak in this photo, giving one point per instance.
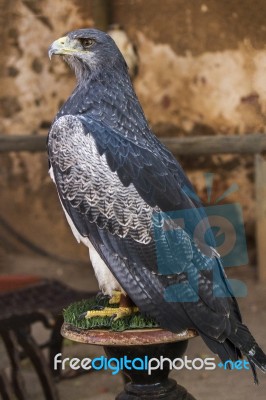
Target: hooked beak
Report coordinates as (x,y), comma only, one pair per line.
(61,46)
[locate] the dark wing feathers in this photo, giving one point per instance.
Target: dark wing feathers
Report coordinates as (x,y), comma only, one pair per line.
(118,220)
(143,165)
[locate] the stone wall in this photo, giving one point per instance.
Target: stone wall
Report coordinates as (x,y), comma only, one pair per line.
(202,70)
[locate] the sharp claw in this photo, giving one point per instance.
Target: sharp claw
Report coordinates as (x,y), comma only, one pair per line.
(113,317)
(100,296)
(82,316)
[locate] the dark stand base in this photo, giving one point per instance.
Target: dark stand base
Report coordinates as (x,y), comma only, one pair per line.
(157,385)
(152,343)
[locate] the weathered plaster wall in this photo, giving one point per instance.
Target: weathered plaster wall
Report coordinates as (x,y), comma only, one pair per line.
(202,70)
(223,90)
(32,89)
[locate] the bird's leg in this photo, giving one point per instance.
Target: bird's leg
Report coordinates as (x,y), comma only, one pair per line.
(116,297)
(126,307)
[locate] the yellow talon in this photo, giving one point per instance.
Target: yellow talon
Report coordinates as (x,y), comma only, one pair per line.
(116,312)
(126,308)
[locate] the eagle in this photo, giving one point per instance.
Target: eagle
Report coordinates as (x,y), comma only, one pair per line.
(120,189)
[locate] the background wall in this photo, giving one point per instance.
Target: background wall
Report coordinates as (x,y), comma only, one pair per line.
(202,70)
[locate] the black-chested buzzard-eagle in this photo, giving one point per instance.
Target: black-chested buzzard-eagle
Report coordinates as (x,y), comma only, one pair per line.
(117,184)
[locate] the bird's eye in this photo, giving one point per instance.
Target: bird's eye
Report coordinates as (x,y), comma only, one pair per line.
(85,42)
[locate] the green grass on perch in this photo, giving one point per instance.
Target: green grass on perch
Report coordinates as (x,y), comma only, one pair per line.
(134,321)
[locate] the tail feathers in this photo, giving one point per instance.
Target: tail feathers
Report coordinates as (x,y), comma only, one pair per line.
(246,343)
(253,369)
(258,359)
(238,343)
(226,350)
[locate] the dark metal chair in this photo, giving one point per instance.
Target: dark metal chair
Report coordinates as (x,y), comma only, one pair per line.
(24,301)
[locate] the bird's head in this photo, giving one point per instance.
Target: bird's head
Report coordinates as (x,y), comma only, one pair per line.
(88,51)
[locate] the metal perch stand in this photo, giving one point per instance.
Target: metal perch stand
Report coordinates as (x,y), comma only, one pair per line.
(150,343)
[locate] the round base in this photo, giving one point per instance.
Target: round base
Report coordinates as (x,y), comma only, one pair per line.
(126,338)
